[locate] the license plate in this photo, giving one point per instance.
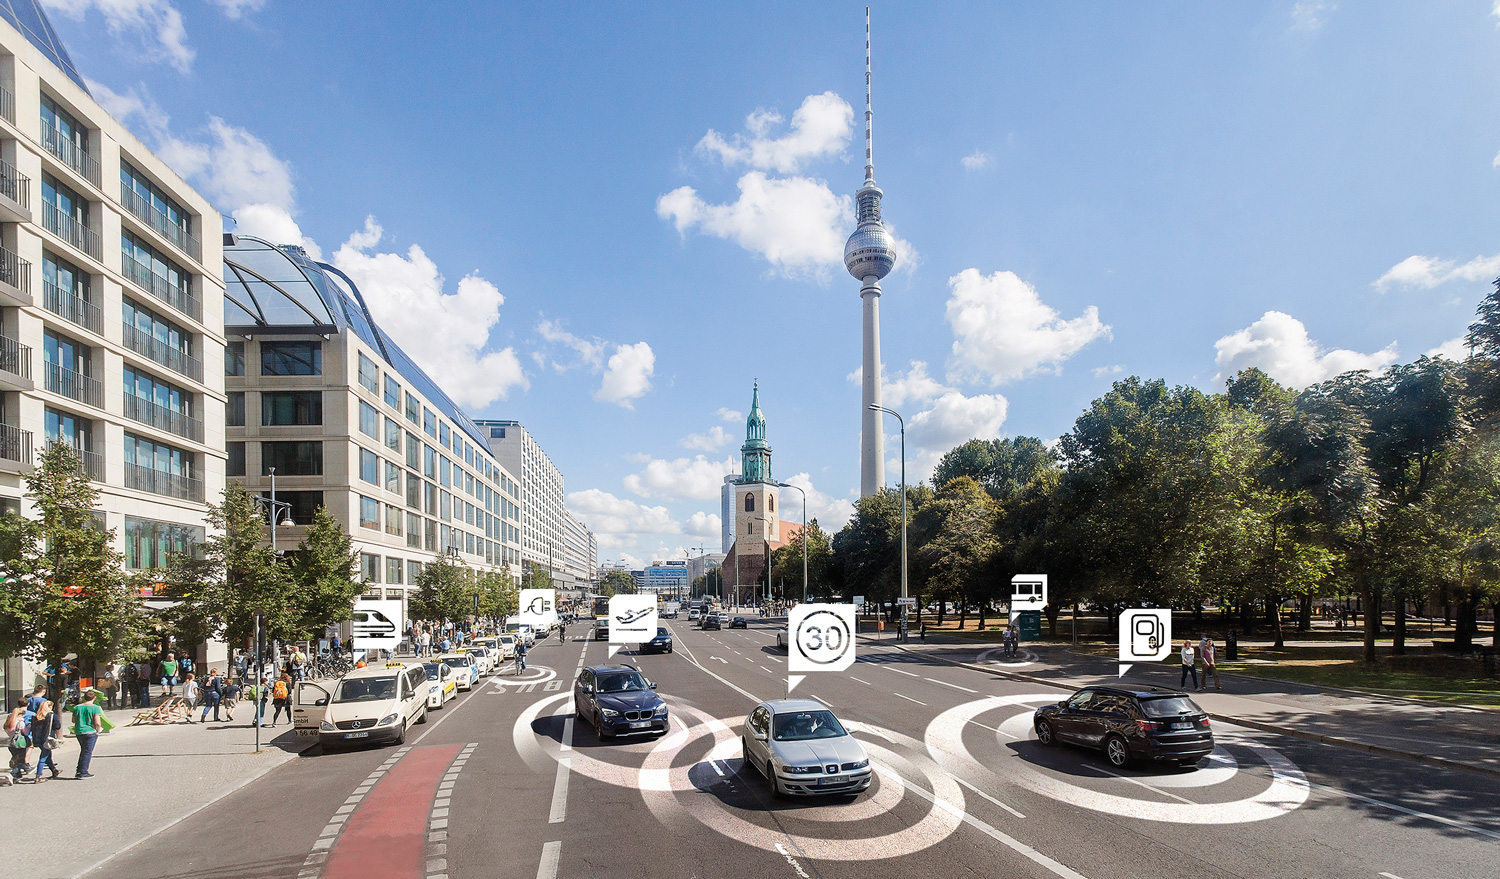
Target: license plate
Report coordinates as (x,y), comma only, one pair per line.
(830,781)
(1182,725)
(356,735)
(641,725)
(303,733)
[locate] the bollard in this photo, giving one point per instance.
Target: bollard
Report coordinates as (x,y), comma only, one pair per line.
(1231,647)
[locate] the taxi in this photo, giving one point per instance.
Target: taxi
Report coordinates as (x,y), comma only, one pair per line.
(444,684)
(465,669)
(482,658)
(370,705)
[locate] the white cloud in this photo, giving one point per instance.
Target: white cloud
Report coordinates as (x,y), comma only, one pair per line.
(831,512)
(976,160)
(1311,15)
(627,375)
(1002,330)
(155,24)
(821,128)
(236,9)
(1428,271)
(618,521)
(1102,371)
(1279,345)
(716,438)
(954,419)
(731,416)
(1496,162)
(695,478)
(590,351)
(454,328)
(1454,349)
(704,525)
(914,385)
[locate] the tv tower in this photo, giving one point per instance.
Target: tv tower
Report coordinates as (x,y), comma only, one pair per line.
(869,256)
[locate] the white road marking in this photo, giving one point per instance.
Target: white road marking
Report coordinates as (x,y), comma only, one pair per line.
(903,671)
(987,796)
(766,670)
(792,861)
(715,765)
(1389,875)
(1405,811)
(1010,842)
(547,869)
(908,698)
(866,683)
(1137,781)
(560,792)
(954,686)
(720,658)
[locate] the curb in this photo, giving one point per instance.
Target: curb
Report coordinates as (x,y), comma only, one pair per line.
(1332,741)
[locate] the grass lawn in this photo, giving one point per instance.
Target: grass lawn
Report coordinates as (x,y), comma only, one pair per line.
(1417,675)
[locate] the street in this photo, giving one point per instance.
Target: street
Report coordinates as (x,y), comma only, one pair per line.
(503,783)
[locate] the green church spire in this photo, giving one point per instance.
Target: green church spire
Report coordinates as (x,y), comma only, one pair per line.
(755,454)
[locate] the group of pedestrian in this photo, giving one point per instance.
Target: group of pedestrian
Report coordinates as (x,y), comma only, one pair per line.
(36,722)
(1010,640)
(1189,658)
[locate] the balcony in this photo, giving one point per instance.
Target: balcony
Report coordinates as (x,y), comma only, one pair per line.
(75,385)
(163,483)
(71,154)
(70,230)
(90,464)
(15,194)
(177,297)
(152,216)
(158,351)
(71,308)
(7,105)
(160,417)
(15,448)
(15,280)
(15,365)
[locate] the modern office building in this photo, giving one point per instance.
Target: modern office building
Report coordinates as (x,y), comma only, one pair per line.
(581,557)
(667,578)
(700,565)
(110,296)
(543,518)
(726,511)
(321,400)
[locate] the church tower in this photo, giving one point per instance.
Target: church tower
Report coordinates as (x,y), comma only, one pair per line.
(756,493)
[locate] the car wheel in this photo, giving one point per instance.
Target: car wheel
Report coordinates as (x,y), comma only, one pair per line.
(1117,752)
(1044,733)
(422,718)
(669,650)
(401,736)
(599,728)
(776,791)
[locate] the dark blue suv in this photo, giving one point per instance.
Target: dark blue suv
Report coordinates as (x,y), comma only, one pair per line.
(618,700)
(662,643)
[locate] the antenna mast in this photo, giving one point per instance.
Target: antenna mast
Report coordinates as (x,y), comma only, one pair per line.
(869,113)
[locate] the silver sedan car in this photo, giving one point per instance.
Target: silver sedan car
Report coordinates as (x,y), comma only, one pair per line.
(801,748)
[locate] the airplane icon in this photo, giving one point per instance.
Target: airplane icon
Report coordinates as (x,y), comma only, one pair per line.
(633,616)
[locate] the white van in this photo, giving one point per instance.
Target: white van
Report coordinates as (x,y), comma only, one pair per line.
(523,631)
(373,704)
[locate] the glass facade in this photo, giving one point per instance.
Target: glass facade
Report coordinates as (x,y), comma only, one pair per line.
(369,420)
(369,513)
(369,467)
(292,458)
(369,374)
(291,358)
(286,408)
(150,544)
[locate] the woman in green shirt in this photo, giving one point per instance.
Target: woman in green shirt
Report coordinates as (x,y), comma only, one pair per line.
(88,720)
(168,671)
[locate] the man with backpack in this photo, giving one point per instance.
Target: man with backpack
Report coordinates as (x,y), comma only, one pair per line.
(213,694)
(130,690)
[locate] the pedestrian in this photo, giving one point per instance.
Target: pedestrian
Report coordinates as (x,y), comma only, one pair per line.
(923,631)
(88,721)
(298,663)
(168,669)
(281,699)
(130,686)
(231,698)
(426,642)
(1210,663)
(1189,666)
(241,664)
(34,701)
(213,694)
(334,646)
(184,665)
(17,741)
(45,729)
(190,694)
(143,680)
(108,681)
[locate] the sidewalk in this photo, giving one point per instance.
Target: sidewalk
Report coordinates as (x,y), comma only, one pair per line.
(1452,736)
(145,778)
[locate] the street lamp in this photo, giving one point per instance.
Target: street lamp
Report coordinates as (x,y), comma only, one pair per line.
(878,408)
(273,506)
(804,539)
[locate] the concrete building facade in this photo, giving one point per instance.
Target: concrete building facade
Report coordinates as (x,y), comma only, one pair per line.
(543,516)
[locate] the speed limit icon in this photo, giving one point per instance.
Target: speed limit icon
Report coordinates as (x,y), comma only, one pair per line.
(821,636)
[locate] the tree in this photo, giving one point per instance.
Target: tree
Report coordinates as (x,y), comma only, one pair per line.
(868,549)
(786,564)
(498,596)
(324,571)
(66,592)
(958,552)
(537,577)
(616,583)
(445,591)
(1002,466)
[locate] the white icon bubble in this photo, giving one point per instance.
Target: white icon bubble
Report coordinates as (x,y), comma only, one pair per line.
(632,619)
(822,637)
(1145,634)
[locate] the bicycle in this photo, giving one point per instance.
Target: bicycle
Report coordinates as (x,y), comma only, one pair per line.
(519,665)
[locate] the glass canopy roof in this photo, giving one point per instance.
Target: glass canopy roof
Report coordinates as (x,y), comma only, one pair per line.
(269,286)
(27,17)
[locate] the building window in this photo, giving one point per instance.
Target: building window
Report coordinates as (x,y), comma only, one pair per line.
(393,571)
(413,571)
(749,527)
(469,543)
(369,374)
(234,358)
(289,408)
(429,535)
(291,358)
(369,420)
(151,544)
(369,567)
(148,269)
(369,513)
(413,491)
(445,511)
(497,433)
(429,462)
(444,468)
(147,201)
(429,422)
(393,435)
(292,458)
(413,451)
(413,530)
(235,466)
(304,504)
(234,409)
(392,520)
(369,467)
(429,498)
(443,434)
(392,393)
(413,409)
(749,503)
(771,503)
(149,455)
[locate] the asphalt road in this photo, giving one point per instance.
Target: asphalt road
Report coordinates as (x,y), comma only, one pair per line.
(501,783)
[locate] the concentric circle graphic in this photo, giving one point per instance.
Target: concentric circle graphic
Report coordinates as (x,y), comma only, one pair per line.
(537,674)
(1287,791)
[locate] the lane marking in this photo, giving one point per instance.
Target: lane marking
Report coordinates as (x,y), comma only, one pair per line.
(1008,841)
(767,670)
(908,698)
(1405,811)
(1389,875)
(385,835)
(954,686)
(547,869)
(559,811)
(1137,781)
(903,671)
(986,796)
(866,683)
(792,861)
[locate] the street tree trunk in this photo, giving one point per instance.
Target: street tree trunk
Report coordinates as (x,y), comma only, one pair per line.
(1398,642)
(1367,599)
(1304,617)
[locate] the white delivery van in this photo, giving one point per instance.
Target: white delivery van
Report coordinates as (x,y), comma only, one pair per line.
(372,704)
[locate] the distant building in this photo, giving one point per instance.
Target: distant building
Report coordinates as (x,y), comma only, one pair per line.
(582,551)
(667,578)
(758,529)
(726,512)
(543,518)
(702,564)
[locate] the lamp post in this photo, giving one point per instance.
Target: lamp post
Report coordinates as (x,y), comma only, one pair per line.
(273,508)
(804,537)
(902,635)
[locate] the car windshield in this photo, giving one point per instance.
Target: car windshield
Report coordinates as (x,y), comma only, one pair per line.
(624,682)
(366,689)
(457,661)
(797,726)
(1170,706)
(661,632)
(432,670)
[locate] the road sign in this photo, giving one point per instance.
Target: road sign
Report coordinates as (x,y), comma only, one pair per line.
(1145,634)
(909,601)
(377,624)
(822,637)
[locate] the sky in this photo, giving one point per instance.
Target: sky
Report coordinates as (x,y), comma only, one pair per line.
(609,221)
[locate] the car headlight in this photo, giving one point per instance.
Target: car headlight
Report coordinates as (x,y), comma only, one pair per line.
(863,764)
(388,720)
(801,770)
(609,712)
(661,710)
(325,726)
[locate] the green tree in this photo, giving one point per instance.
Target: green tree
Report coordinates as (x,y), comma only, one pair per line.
(445,591)
(324,570)
(498,596)
(1002,466)
(867,550)
(616,583)
(66,592)
(786,564)
(959,543)
(536,577)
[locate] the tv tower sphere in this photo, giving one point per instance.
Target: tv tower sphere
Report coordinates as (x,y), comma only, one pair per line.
(869,253)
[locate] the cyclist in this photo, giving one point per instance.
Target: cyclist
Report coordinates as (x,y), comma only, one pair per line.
(520,655)
(562,633)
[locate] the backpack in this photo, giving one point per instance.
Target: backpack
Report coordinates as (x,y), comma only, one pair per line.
(279,692)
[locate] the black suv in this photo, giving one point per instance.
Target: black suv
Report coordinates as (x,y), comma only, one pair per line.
(662,643)
(619,700)
(1129,724)
(710,621)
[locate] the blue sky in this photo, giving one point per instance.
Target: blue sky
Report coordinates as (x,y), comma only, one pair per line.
(613,220)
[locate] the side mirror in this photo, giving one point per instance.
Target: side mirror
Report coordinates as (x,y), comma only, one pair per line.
(587,688)
(321,702)
(759,736)
(653,685)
